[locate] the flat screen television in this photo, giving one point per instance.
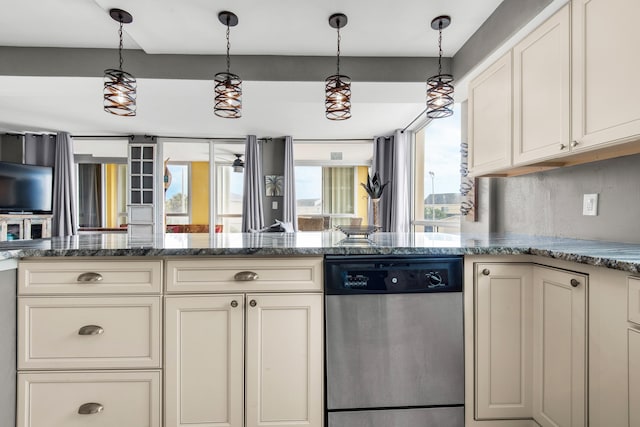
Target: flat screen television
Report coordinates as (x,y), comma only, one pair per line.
(25,188)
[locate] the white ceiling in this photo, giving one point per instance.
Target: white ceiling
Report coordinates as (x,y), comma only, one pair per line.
(275,27)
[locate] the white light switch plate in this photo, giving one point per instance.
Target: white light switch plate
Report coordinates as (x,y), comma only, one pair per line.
(274,205)
(590,204)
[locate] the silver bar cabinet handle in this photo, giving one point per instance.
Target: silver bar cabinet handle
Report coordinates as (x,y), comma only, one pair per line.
(91,330)
(245,276)
(90,277)
(90,408)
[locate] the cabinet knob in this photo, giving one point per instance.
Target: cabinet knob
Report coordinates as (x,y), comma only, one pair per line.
(90,277)
(253,303)
(575,283)
(90,408)
(234,303)
(486,272)
(91,330)
(245,276)
(563,146)
(574,144)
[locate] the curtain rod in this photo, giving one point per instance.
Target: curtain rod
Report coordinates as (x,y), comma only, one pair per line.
(266,138)
(414,120)
(332,139)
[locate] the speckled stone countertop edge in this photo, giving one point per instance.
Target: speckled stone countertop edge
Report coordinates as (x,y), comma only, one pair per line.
(618,256)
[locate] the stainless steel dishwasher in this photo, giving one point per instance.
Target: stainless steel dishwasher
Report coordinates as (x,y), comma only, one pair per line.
(394,341)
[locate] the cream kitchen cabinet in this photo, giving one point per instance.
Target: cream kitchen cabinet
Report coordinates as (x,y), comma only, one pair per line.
(605,81)
(559,343)
(490,118)
(528,334)
(541,95)
(248,353)
(503,303)
(76,319)
(206,358)
(89,399)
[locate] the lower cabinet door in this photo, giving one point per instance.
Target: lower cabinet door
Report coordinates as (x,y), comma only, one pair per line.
(559,343)
(89,399)
(503,337)
(204,361)
(284,360)
(634,377)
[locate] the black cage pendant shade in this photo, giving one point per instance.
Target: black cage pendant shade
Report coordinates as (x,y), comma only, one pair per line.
(440,86)
(228,87)
(120,86)
(338,87)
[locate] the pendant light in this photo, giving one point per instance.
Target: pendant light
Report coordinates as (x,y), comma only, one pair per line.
(338,87)
(238,164)
(440,87)
(120,86)
(228,89)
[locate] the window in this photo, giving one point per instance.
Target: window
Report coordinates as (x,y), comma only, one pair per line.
(229,185)
(330,191)
(327,176)
(437,175)
(177,196)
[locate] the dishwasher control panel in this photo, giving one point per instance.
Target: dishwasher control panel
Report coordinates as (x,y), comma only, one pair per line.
(347,275)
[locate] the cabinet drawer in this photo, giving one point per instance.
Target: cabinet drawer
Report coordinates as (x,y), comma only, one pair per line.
(634,300)
(234,274)
(89,333)
(129,399)
(66,276)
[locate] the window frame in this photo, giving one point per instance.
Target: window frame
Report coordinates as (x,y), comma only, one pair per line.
(189,193)
(418,171)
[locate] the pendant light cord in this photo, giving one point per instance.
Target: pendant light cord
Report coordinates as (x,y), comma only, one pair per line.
(338,56)
(440,48)
(228,47)
(120,45)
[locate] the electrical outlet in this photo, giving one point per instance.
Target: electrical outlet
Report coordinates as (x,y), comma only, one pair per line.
(274,205)
(590,204)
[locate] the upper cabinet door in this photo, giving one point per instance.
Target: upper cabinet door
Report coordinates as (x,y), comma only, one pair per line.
(490,130)
(606,83)
(541,96)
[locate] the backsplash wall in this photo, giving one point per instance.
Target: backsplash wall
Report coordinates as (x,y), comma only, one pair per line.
(550,203)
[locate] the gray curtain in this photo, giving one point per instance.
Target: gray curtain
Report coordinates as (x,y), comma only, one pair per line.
(289,213)
(90,195)
(65,216)
(39,150)
(392,161)
(252,211)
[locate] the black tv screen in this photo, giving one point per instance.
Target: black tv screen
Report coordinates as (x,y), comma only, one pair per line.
(25,188)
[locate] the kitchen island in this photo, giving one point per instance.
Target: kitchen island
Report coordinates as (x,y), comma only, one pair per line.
(167,286)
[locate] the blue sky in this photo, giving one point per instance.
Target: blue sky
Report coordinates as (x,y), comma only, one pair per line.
(442,154)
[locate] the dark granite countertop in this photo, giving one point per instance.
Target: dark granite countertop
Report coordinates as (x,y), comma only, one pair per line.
(621,256)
